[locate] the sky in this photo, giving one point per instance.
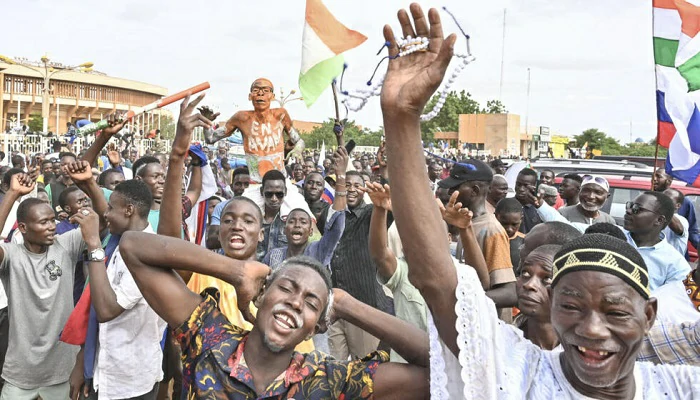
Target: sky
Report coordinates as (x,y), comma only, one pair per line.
(591,62)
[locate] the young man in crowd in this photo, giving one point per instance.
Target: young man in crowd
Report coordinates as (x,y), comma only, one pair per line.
(570,188)
(509,213)
(525,188)
(599,349)
(292,307)
(241,182)
(298,226)
(38,277)
(547,178)
(128,355)
(314,185)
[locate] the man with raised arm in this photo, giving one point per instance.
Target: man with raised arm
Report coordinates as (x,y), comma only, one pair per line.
(263,129)
(293,304)
(38,277)
(601,307)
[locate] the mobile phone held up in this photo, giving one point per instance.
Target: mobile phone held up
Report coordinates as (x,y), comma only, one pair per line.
(350,146)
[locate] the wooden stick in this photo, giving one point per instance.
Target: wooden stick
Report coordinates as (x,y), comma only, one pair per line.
(341,141)
(656,160)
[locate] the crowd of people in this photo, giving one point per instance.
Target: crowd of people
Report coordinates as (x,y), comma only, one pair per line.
(339,275)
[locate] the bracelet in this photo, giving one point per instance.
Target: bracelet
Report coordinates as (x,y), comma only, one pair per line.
(341,194)
(339,177)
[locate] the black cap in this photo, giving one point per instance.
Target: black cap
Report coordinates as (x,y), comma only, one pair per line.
(497,163)
(465,171)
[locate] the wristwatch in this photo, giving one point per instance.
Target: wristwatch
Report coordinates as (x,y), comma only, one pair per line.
(97,255)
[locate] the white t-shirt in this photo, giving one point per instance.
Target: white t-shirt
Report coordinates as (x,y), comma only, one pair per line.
(496,362)
(129,358)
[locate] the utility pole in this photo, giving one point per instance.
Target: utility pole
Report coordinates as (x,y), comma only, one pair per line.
(503,54)
(527,106)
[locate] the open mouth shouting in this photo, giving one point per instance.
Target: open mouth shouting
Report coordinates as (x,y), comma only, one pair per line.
(286,321)
(237,242)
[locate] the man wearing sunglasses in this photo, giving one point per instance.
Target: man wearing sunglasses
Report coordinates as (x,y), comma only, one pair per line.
(273,190)
(645,219)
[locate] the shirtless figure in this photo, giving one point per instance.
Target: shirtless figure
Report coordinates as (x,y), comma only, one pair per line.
(263,130)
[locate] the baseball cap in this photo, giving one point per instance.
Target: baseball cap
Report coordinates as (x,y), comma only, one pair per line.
(548,190)
(466,171)
(595,180)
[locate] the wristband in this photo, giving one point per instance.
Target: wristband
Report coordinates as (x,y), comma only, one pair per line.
(341,194)
(339,177)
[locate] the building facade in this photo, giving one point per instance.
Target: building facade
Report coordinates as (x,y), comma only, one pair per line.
(73,96)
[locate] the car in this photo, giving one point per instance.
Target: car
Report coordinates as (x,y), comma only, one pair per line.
(601,167)
(624,189)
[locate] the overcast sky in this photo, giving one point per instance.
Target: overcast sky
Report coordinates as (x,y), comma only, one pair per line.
(591,61)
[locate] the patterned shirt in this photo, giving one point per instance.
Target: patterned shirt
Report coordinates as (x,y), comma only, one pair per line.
(672,344)
(213,366)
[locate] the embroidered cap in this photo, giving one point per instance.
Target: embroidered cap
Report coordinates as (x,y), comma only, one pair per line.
(603,253)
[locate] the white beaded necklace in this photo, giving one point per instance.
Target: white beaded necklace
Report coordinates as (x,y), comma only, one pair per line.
(355,100)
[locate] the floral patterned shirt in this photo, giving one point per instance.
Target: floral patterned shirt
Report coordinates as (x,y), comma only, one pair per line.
(213,366)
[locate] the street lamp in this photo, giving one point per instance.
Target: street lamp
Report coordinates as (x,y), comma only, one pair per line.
(286,99)
(47,74)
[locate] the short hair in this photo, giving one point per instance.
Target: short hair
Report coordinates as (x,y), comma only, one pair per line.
(557,232)
(17,157)
(666,206)
(312,173)
(103,176)
(233,200)
(606,228)
(137,193)
(7,178)
(47,162)
(548,170)
(548,249)
(25,206)
(574,177)
(528,172)
(139,164)
(679,194)
(509,205)
(41,190)
(241,171)
(311,263)
(353,173)
(63,197)
(66,154)
(272,175)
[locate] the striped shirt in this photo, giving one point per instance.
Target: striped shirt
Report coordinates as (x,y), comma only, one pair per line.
(352,268)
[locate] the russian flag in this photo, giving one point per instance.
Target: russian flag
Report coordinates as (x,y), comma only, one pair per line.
(677,59)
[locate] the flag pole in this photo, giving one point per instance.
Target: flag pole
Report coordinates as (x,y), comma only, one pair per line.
(656,160)
(338,136)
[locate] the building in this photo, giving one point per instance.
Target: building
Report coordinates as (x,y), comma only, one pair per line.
(305,126)
(73,95)
(499,134)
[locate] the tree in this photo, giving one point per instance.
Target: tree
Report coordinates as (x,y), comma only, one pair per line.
(494,107)
(36,123)
(167,127)
(324,133)
(447,119)
(598,140)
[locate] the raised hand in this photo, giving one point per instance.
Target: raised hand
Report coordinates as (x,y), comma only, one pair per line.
(250,287)
(411,80)
(380,195)
(454,214)
(22,184)
(79,171)
(340,159)
(208,113)
(116,123)
(186,123)
(336,311)
(89,223)
(113,155)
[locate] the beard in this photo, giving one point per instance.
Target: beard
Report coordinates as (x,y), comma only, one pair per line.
(271,346)
(589,208)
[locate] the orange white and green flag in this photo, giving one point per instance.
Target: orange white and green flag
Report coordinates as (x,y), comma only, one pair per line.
(324,41)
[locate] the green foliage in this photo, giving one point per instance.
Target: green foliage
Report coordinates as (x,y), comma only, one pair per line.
(447,119)
(611,147)
(362,137)
(167,127)
(36,123)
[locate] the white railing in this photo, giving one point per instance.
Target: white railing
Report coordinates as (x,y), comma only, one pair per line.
(30,144)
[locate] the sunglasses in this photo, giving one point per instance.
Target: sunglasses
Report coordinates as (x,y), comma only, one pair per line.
(269,195)
(636,208)
(596,179)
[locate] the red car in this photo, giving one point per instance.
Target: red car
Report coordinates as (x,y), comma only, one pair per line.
(626,188)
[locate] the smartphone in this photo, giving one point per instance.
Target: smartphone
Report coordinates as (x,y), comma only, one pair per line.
(350,146)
